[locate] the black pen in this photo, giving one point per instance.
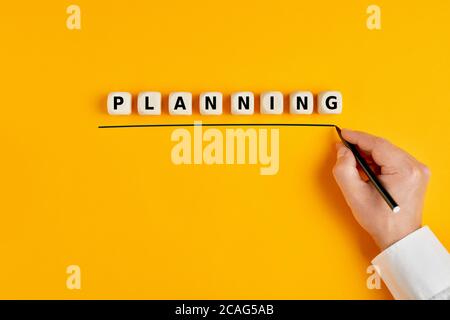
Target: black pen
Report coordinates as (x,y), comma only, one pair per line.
(370,174)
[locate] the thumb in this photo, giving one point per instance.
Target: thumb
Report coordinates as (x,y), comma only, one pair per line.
(346,173)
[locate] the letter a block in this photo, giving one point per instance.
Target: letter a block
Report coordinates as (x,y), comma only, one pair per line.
(180,103)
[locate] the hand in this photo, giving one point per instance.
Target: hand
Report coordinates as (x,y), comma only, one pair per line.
(403,176)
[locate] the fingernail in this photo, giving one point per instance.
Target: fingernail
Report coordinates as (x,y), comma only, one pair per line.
(341,152)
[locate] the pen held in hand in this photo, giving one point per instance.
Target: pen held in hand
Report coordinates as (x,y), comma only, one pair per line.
(370,174)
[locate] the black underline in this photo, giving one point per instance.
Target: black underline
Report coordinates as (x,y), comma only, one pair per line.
(159,125)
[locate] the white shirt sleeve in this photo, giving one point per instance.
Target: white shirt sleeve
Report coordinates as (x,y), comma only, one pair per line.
(444,295)
(416,267)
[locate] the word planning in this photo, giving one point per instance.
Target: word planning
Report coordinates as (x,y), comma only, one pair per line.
(211,103)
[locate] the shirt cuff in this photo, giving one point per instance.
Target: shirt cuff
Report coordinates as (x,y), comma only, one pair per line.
(416,267)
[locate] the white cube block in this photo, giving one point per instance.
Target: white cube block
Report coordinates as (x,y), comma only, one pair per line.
(301,102)
(180,103)
(242,103)
(119,103)
(211,103)
(271,102)
(330,102)
(149,103)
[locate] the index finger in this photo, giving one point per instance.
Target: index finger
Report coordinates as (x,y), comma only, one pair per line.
(383,152)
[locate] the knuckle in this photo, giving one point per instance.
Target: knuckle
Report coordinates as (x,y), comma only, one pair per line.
(414,172)
(381,143)
(337,170)
(426,172)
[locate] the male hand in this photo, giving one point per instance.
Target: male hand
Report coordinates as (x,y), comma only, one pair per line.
(402,175)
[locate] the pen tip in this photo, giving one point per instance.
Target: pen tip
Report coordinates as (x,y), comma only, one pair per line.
(396,209)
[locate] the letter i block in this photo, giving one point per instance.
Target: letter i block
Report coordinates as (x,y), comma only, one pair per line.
(272,102)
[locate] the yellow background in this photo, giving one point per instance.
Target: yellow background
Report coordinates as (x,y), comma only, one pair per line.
(112,202)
